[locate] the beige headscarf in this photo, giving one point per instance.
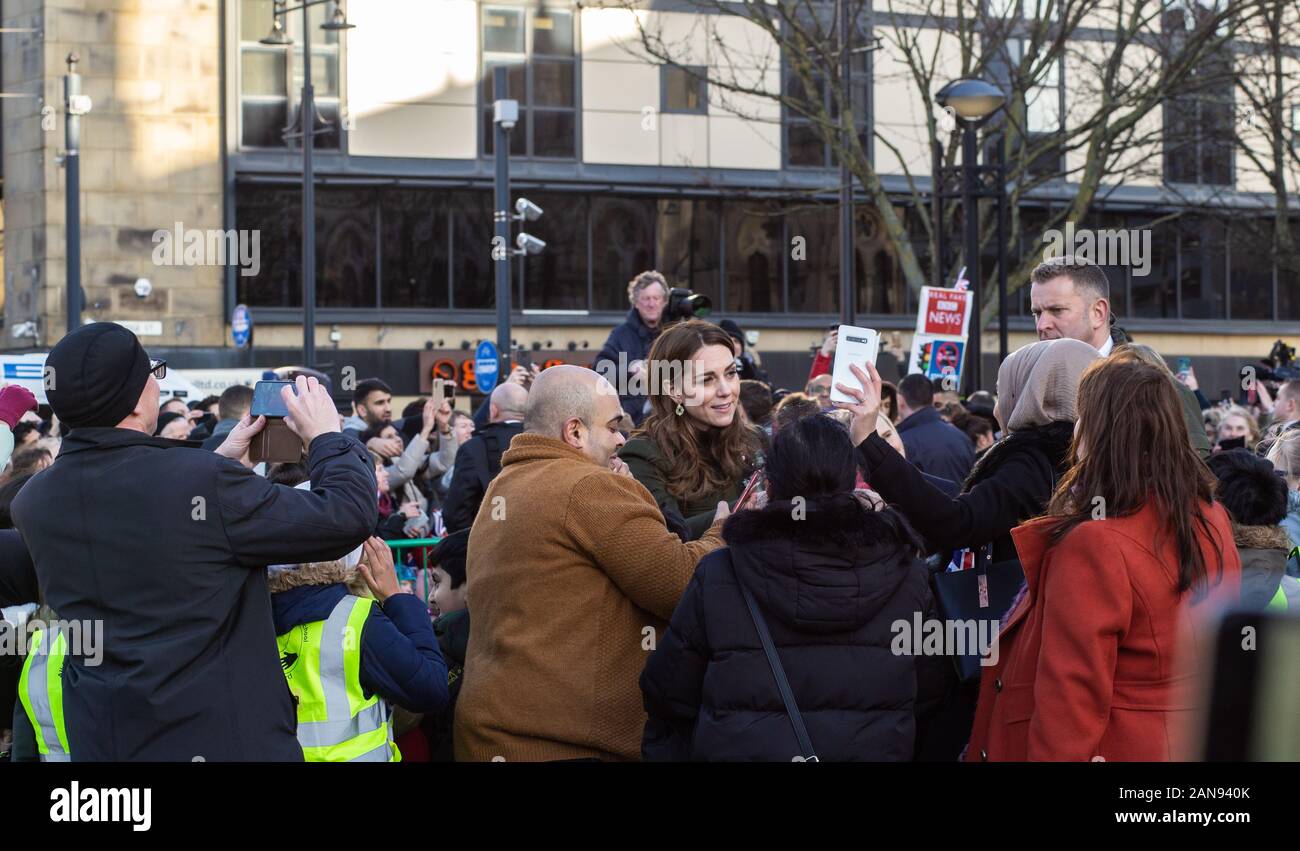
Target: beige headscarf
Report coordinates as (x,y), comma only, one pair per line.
(1039,383)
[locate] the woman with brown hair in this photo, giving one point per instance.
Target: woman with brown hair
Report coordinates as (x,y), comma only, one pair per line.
(696,448)
(1090,663)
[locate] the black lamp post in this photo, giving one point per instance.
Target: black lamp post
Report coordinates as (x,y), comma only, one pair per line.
(972,102)
(308,130)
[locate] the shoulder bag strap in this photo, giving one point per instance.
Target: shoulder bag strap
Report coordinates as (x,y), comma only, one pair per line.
(778,672)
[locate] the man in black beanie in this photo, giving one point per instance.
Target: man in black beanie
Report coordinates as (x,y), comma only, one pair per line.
(166,545)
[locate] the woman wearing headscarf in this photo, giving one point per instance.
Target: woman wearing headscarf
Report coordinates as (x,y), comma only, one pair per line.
(1012,481)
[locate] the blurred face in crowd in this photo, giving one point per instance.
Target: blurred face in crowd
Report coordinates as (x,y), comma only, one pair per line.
(462,429)
(820,389)
(443,599)
(1233,426)
(887,431)
(715,388)
(650,303)
(378,408)
(175,405)
(1285,409)
(390,433)
(176,430)
(381,476)
(1062,311)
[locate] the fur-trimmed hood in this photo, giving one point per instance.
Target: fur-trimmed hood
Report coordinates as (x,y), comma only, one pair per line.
(1260,538)
(316,573)
(821,565)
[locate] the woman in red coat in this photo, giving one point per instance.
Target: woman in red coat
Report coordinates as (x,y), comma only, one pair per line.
(1089,664)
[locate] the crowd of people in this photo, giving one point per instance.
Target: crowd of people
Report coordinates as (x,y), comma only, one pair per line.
(705,568)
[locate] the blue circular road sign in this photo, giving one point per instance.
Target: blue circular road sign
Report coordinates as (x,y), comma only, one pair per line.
(241,325)
(487,366)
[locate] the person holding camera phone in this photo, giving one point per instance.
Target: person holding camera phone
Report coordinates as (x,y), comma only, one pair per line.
(168,549)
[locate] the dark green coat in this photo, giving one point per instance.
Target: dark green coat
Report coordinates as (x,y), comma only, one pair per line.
(647,464)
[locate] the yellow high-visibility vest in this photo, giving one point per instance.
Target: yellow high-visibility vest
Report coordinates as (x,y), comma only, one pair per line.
(40,688)
(322,663)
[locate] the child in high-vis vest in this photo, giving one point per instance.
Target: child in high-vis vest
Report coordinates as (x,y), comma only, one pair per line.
(348,658)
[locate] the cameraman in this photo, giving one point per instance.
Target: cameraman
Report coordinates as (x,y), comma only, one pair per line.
(624,353)
(167,545)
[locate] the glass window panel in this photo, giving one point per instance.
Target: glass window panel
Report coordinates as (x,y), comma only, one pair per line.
(515,80)
(556,133)
(1153,293)
(1202,268)
(329,113)
(803,146)
(345,248)
(553,84)
(518,136)
(1288,279)
(689,245)
(415,250)
(1251,270)
(684,90)
(324,73)
(556,279)
(878,277)
(754,252)
(503,30)
(471,246)
(262,73)
(1043,109)
(264,122)
(276,214)
(553,33)
(622,246)
(814,272)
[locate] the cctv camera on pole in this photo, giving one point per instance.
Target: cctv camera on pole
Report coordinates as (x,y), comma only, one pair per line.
(505,113)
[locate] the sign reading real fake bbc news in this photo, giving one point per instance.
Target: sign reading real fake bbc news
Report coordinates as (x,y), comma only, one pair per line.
(943,312)
(939,344)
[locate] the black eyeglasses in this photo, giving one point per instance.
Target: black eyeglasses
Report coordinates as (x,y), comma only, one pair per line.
(158,368)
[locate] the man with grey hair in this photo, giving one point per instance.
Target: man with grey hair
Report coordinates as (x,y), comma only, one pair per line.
(622,358)
(571,578)
(1070,297)
(479,459)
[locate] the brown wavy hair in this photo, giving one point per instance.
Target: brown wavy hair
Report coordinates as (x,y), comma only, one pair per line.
(1136,452)
(701,461)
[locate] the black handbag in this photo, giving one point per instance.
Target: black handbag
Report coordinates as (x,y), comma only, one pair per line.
(778,673)
(983,593)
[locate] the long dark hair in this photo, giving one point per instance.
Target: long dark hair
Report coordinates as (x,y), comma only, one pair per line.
(701,461)
(811,457)
(1135,452)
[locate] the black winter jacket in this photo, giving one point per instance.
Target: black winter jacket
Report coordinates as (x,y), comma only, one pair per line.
(168,546)
(633,339)
(477,464)
(830,586)
(1012,482)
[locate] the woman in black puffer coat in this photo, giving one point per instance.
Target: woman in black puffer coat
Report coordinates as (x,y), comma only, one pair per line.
(831,577)
(1012,482)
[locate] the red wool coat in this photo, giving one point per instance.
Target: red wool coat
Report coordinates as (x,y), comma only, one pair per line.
(1089,662)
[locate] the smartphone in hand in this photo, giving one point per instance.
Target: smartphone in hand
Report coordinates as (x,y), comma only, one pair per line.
(275,443)
(855,347)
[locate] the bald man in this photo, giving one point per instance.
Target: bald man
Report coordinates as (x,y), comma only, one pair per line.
(572,576)
(479,459)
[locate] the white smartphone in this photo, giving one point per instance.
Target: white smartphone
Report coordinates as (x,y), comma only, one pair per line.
(853,346)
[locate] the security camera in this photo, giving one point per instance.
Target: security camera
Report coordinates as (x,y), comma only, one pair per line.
(143,287)
(529,244)
(527,210)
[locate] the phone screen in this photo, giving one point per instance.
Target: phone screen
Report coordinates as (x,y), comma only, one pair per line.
(267,401)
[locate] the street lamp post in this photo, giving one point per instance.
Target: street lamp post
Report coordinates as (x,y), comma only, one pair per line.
(307,122)
(973,102)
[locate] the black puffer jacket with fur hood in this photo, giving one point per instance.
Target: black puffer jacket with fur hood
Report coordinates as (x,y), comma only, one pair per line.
(831,581)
